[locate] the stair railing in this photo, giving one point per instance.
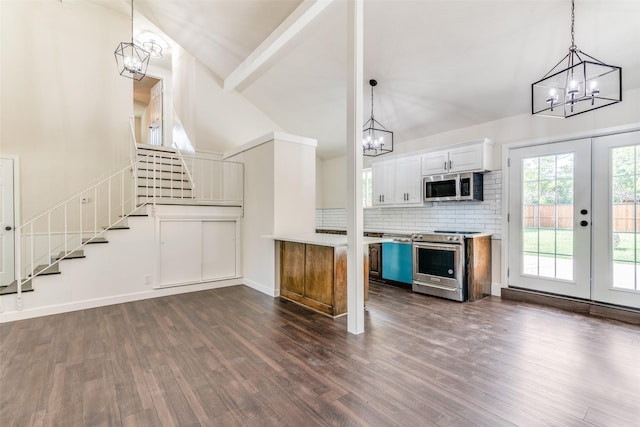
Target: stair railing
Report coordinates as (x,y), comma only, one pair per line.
(46,239)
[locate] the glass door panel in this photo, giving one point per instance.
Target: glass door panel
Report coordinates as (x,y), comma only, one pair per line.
(549,186)
(616,246)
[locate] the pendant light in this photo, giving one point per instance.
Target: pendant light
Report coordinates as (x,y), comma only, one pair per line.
(584,85)
(131,59)
(376,139)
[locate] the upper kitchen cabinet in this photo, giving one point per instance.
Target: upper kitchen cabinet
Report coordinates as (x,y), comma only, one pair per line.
(397,182)
(408,180)
(472,157)
(383,177)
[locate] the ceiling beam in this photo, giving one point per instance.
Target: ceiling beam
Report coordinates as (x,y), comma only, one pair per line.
(285,32)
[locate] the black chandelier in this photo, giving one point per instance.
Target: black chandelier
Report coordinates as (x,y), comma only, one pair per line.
(131,59)
(376,139)
(586,84)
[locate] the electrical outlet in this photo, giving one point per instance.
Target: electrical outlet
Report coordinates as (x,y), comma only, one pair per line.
(147,279)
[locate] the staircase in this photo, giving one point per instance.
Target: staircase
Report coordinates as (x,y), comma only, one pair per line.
(157,175)
(54,266)
(162,176)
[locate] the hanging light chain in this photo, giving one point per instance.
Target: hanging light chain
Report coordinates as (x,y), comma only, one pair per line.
(573,18)
(131,21)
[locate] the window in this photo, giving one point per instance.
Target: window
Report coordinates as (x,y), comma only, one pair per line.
(367,188)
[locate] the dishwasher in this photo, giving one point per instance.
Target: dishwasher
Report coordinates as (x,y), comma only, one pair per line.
(397,264)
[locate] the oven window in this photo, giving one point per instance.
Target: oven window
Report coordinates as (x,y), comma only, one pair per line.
(436,262)
(441,188)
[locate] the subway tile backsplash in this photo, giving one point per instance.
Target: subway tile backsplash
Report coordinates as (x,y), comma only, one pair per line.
(485,216)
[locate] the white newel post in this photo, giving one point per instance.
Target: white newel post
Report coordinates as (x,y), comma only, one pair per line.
(355,253)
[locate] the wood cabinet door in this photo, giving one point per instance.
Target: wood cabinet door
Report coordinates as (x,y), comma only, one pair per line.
(319,266)
(292,277)
(375,260)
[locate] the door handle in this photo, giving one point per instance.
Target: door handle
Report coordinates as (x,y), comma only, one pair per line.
(8,228)
(584,223)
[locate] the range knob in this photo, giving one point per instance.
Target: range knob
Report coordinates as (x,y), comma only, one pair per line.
(449,238)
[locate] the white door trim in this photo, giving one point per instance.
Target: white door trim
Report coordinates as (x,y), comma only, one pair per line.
(167,102)
(16,207)
(506,147)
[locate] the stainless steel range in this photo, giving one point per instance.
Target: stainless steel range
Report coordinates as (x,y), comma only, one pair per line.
(439,264)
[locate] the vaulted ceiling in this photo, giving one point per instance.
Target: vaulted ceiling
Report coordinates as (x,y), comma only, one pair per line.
(440,65)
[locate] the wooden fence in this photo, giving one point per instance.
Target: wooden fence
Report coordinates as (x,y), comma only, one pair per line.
(626,217)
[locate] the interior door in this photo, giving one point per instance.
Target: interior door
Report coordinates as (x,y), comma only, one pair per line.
(549,218)
(7,231)
(616,227)
(155,115)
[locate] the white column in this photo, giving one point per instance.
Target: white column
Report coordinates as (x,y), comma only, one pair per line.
(355,254)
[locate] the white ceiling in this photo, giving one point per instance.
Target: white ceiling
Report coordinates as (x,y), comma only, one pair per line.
(440,65)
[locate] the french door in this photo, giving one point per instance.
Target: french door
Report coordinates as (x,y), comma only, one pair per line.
(556,243)
(549,218)
(616,227)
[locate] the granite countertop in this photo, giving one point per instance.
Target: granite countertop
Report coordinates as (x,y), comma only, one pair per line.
(321,239)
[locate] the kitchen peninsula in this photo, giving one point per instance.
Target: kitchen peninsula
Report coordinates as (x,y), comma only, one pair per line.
(311,269)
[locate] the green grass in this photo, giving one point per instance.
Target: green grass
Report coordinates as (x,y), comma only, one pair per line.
(625,251)
(551,242)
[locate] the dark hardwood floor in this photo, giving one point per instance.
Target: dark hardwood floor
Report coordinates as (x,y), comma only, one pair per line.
(233,356)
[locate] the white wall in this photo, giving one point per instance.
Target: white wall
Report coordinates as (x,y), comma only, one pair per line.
(184,91)
(64,109)
(333,184)
(258,262)
(279,198)
(295,188)
(225,119)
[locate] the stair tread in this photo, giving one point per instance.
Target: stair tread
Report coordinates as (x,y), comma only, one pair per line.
(164,187)
(46,270)
(27,286)
(184,201)
(116,227)
(150,147)
(94,240)
(70,255)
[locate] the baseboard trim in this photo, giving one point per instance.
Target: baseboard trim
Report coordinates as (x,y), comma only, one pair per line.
(267,290)
(591,308)
(12,316)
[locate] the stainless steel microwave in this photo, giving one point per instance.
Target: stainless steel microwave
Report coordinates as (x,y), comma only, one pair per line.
(459,186)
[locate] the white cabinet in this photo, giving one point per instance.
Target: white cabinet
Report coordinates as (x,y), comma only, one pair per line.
(473,157)
(383,177)
(397,182)
(435,163)
(194,251)
(408,180)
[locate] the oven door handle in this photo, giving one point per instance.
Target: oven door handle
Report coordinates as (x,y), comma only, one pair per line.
(452,247)
(444,288)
